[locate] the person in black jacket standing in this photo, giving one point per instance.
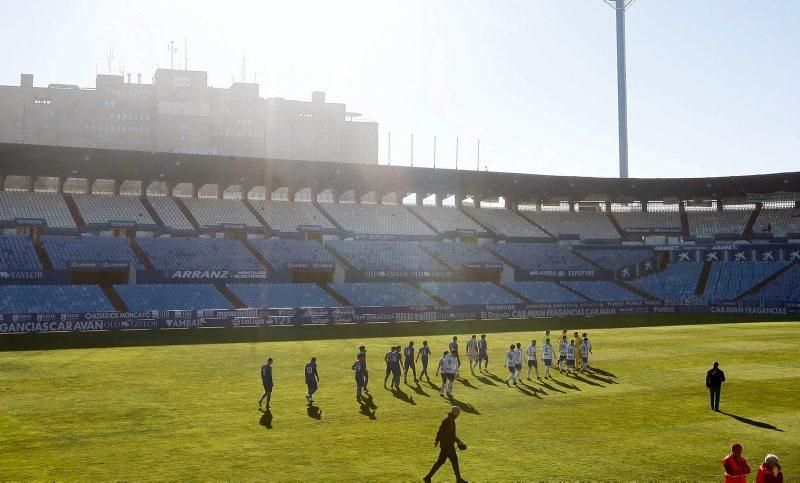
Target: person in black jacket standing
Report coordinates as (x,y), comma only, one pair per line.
(714,379)
(446,439)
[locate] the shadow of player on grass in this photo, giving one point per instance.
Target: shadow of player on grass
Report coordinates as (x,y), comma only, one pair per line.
(600,371)
(368,408)
(485,380)
(602,379)
(527,390)
(564,384)
(466,383)
(418,389)
(753,422)
(552,388)
(399,394)
(266,418)
(314,411)
(587,381)
(466,407)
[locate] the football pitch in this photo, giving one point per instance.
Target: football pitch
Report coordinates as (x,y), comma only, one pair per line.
(190,412)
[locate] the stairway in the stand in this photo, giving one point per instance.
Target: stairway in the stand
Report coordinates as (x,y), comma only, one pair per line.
(530,220)
(335,295)
(186,213)
(258,255)
(44,257)
(420,218)
(477,221)
(748,227)
(616,225)
(142,255)
(430,294)
(74,211)
(757,287)
(113,297)
(255,213)
(575,291)
(152,211)
(684,221)
(514,293)
(701,282)
(232,298)
(327,216)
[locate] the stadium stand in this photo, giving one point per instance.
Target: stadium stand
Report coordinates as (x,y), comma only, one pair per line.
(677,282)
(198,254)
(64,250)
(286,216)
(706,224)
(602,290)
(102,209)
(779,222)
(376,219)
(505,222)
(539,256)
(50,207)
(214,212)
(385,255)
(650,222)
(377,294)
(470,293)
(280,252)
(617,258)
(728,280)
(51,299)
(18,253)
(545,292)
(166,209)
(140,298)
(447,219)
(283,295)
(589,225)
(456,255)
(784,288)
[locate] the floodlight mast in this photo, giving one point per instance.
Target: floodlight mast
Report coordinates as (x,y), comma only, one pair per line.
(622,92)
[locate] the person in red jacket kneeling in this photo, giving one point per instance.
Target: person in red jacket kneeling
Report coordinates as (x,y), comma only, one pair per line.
(736,468)
(767,471)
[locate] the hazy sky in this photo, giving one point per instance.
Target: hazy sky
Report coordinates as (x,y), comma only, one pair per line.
(712,85)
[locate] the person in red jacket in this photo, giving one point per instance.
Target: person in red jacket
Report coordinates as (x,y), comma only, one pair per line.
(736,468)
(766,472)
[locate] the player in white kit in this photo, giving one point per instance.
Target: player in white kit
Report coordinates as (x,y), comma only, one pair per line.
(531,352)
(511,359)
(472,352)
(448,365)
(547,357)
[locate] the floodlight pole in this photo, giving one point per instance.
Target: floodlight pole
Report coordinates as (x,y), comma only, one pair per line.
(622,92)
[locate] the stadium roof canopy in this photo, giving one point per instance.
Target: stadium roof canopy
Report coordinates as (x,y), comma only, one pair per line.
(174,168)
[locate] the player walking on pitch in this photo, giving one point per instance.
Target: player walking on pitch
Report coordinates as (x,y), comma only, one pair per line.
(585,350)
(360,368)
(531,351)
(449,367)
(266,381)
(571,358)
(483,354)
(547,357)
(453,346)
(562,354)
(518,356)
(363,350)
(472,352)
(511,359)
(409,362)
(312,379)
(424,352)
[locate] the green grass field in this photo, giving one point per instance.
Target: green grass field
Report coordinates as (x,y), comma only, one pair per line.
(190,412)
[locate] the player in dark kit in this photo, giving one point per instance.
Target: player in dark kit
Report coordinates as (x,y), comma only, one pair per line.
(363,350)
(424,352)
(266,380)
(408,362)
(483,354)
(388,358)
(453,346)
(360,367)
(395,357)
(312,379)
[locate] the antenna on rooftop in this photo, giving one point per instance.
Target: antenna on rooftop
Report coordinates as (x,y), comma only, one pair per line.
(172,50)
(244,71)
(109,59)
(186,53)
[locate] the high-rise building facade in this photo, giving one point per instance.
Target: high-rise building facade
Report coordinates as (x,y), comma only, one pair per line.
(179,112)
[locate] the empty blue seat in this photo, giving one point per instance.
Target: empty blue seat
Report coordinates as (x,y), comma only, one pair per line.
(283,295)
(52,299)
(381,294)
(172,297)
